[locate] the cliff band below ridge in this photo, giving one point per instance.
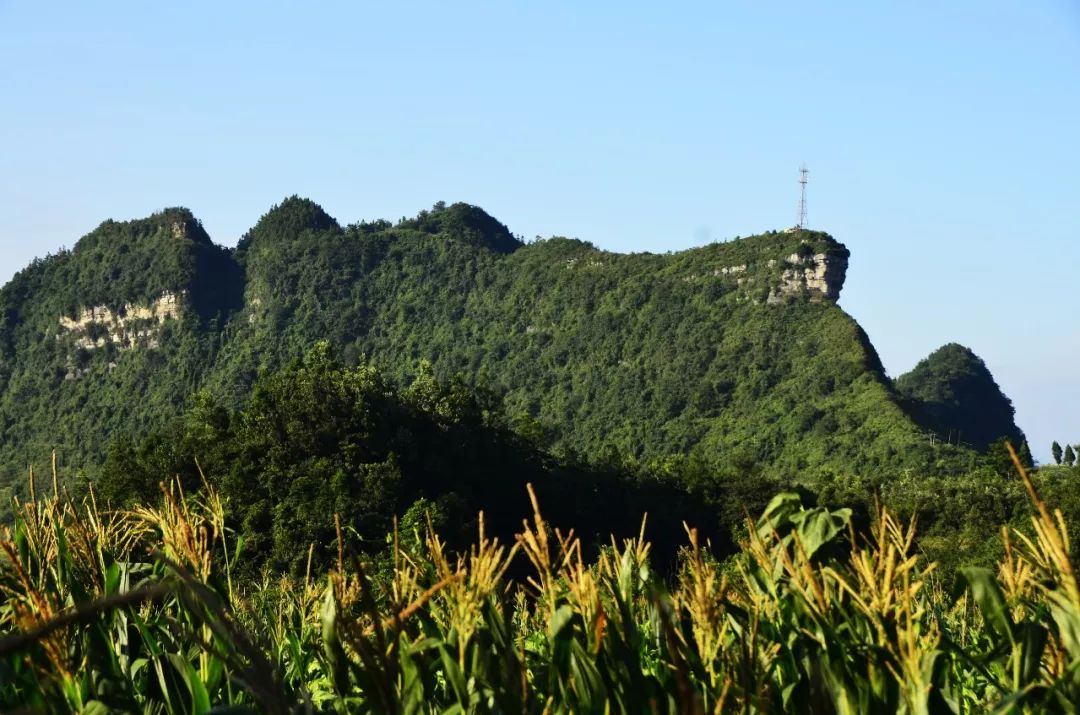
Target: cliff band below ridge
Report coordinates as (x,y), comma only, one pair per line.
(99,325)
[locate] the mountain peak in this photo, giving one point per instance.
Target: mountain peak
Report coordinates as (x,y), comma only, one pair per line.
(181,223)
(175,222)
(288,220)
(467,222)
(951,391)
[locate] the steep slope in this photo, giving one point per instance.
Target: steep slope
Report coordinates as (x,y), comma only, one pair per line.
(734,352)
(736,347)
(103,339)
(953,393)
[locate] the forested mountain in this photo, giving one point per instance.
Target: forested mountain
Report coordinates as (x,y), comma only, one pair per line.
(953,393)
(733,355)
(110,338)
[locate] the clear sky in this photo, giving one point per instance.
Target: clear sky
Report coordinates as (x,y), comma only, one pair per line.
(942,140)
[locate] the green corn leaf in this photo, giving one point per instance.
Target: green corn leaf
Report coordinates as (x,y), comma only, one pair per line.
(561,621)
(165,682)
(817,527)
(332,649)
(411,691)
(454,676)
(1068,622)
(215,673)
(112,579)
(1033,638)
(199,697)
(779,509)
(991,601)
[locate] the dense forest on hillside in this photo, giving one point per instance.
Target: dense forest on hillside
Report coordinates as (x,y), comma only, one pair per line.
(731,354)
(319,438)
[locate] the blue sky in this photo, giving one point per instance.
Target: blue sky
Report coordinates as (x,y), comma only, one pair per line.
(942,140)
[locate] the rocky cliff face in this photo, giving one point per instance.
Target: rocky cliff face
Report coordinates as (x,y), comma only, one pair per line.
(132,326)
(819,276)
(780,267)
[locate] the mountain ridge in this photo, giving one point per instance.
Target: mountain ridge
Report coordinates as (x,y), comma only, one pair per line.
(734,351)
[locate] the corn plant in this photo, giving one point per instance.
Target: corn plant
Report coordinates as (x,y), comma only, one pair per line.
(138,610)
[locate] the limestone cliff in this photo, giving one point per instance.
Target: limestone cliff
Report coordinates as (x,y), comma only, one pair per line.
(133,325)
(775,268)
(820,276)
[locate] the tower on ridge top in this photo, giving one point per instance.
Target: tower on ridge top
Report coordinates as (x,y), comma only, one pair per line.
(803,171)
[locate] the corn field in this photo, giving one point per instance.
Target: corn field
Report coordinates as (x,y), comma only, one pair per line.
(138,611)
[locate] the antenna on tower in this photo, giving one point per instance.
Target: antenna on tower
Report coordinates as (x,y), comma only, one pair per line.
(803,171)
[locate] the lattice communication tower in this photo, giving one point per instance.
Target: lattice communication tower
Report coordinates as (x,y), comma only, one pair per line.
(803,171)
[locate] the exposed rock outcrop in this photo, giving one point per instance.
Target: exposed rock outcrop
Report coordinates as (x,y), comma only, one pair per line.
(819,275)
(132,326)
